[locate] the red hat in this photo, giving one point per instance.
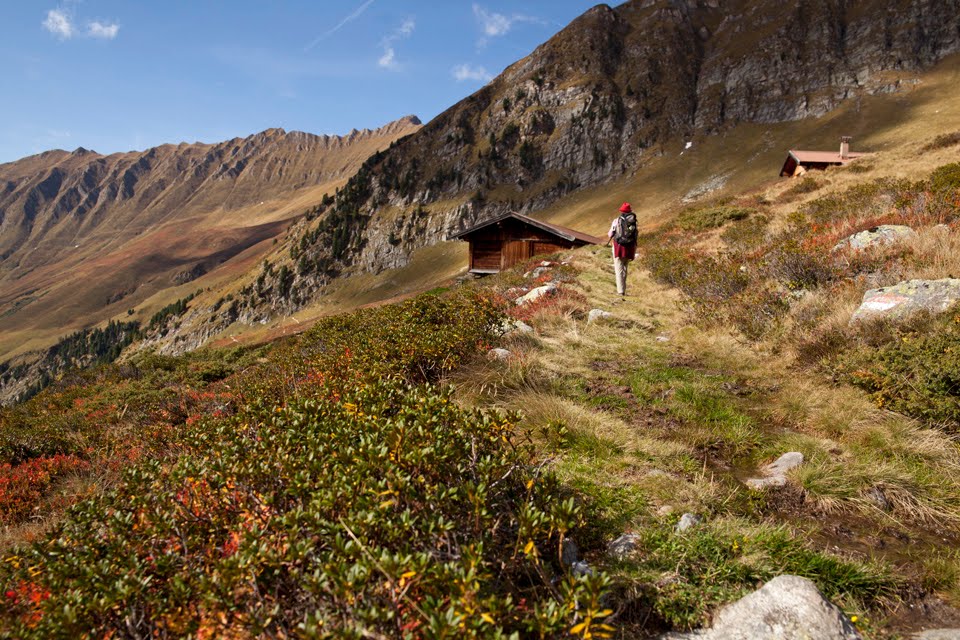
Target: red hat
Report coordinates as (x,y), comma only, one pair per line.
(625,208)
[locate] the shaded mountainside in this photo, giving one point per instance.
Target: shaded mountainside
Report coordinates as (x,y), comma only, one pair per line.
(593,104)
(83,236)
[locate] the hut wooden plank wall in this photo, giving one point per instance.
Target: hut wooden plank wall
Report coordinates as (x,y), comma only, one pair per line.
(512,238)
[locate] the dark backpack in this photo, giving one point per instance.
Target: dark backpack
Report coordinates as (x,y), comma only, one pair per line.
(627,229)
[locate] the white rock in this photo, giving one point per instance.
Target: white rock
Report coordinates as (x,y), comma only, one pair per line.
(499,354)
(597,314)
(546,290)
(937,634)
(688,521)
(581,568)
(785,463)
(623,546)
(663,338)
(514,326)
(786,608)
(775,473)
(885,234)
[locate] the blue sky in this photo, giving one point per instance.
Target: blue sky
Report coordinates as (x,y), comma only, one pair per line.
(115,75)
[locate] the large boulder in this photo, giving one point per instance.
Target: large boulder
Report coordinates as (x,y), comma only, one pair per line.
(786,608)
(906,298)
(877,236)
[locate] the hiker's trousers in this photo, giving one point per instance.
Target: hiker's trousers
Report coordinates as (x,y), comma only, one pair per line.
(620,268)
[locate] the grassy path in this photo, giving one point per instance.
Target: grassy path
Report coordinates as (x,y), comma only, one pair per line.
(652,418)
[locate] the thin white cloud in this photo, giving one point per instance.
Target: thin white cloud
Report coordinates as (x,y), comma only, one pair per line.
(103,31)
(467,72)
(389,58)
(58,23)
(347,20)
(406,29)
(493,24)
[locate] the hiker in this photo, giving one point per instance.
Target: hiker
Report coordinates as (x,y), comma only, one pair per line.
(623,232)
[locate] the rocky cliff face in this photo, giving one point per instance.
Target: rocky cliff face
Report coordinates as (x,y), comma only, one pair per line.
(592,103)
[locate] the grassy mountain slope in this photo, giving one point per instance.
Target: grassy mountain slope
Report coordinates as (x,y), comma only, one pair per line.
(665,408)
(84,237)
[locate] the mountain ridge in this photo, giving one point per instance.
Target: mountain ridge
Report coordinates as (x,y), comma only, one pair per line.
(66,218)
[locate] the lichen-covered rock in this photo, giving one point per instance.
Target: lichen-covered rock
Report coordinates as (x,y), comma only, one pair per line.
(906,298)
(885,234)
(786,608)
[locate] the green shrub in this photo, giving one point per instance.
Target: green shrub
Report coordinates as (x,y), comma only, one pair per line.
(747,234)
(807,184)
(711,217)
(330,493)
(946,177)
(915,371)
(943,141)
(364,508)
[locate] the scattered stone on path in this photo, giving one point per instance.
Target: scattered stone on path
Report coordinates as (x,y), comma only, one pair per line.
(499,354)
(597,314)
(885,234)
(876,496)
(786,608)
(514,326)
(688,521)
(535,294)
(623,546)
(906,298)
(937,634)
(775,473)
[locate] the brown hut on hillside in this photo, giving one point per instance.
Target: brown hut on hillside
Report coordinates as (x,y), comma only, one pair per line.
(511,238)
(799,162)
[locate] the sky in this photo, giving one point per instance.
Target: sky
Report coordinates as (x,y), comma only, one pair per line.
(115,75)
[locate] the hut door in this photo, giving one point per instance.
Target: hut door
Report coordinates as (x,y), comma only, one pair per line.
(515,251)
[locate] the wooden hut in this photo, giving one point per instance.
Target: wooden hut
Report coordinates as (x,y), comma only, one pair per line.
(799,162)
(506,240)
